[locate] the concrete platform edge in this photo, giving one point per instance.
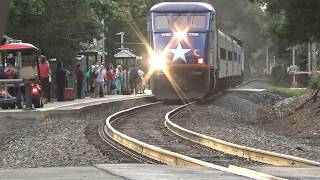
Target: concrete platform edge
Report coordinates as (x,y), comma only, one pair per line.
(42,113)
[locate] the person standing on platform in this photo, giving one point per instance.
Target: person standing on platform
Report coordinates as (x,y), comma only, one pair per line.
(119,79)
(133,79)
(101,76)
(109,76)
(45,72)
(141,81)
(60,80)
(113,72)
(79,76)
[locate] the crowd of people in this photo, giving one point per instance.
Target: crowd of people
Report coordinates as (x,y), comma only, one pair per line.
(109,80)
(103,80)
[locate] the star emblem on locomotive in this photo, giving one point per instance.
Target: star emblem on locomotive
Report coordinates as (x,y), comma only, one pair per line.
(179,53)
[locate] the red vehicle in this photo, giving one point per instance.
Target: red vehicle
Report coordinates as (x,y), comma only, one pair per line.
(19,63)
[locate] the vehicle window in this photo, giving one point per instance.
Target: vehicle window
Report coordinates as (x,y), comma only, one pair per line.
(167,22)
(235,56)
(229,55)
(198,22)
(28,58)
(180,21)
(162,22)
(223,54)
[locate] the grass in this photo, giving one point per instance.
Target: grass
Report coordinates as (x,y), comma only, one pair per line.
(287,92)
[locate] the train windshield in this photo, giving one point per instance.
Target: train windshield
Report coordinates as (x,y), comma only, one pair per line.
(192,22)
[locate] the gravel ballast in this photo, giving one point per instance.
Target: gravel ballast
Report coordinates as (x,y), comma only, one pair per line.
(55,141)
(237,117)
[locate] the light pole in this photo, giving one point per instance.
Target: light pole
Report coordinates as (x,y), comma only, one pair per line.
(122,39)
(314,56)
(267,60)
(294,83)
(103,43)
(309,58)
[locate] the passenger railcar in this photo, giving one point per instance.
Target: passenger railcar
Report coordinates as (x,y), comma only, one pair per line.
(190,56)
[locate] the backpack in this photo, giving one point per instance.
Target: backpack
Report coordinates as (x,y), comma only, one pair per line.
(134,73)
(88,74)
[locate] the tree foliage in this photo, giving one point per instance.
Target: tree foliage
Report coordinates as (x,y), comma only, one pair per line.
(292,22)
(57,27)
(242,20)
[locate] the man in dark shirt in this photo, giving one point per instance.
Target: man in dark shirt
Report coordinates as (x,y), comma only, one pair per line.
(60,80)
(133,79)
(79,76)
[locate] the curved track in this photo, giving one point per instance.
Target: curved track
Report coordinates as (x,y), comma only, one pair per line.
(234,149)
(144,133)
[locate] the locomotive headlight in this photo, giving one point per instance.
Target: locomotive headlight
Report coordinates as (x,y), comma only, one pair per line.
(158,61)
(180,35)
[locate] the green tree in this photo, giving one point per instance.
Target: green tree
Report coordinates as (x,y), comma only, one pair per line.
(57,27)
(292,22)
(126,16)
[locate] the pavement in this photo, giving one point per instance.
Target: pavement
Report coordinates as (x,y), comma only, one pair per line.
(116,172)
(64,107)
(146,172)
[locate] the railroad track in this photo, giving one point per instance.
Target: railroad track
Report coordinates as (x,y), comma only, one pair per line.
(262,156)
(165,147)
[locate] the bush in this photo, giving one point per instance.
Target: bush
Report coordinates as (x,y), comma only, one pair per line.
(287,92)
(303,80)
(314,83)
(279,75)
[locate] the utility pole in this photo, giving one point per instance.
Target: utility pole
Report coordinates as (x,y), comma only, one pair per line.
(274,59)
(309,57)
(294,83)
(267,59)
(314,57)
(103,43)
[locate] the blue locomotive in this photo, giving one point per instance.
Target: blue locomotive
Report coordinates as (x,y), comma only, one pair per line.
(190,56)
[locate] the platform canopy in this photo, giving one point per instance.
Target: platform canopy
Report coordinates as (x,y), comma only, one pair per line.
(126,58)
(125,54)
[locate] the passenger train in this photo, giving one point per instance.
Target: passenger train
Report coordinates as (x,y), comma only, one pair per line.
(190,57)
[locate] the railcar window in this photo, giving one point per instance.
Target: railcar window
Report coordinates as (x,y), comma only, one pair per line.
(198,22)
(166,22)
(223,54)
(162,22)
(235,56)
(229,55)
(180,21)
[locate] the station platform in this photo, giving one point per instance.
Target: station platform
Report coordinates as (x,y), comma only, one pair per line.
(146,172)
(77,105)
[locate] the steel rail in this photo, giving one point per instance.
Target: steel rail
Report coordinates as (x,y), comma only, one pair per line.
(168,157)
(263,156)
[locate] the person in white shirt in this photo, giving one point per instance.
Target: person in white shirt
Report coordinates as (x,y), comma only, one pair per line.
(100,80)
(141,81)
(119,79)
